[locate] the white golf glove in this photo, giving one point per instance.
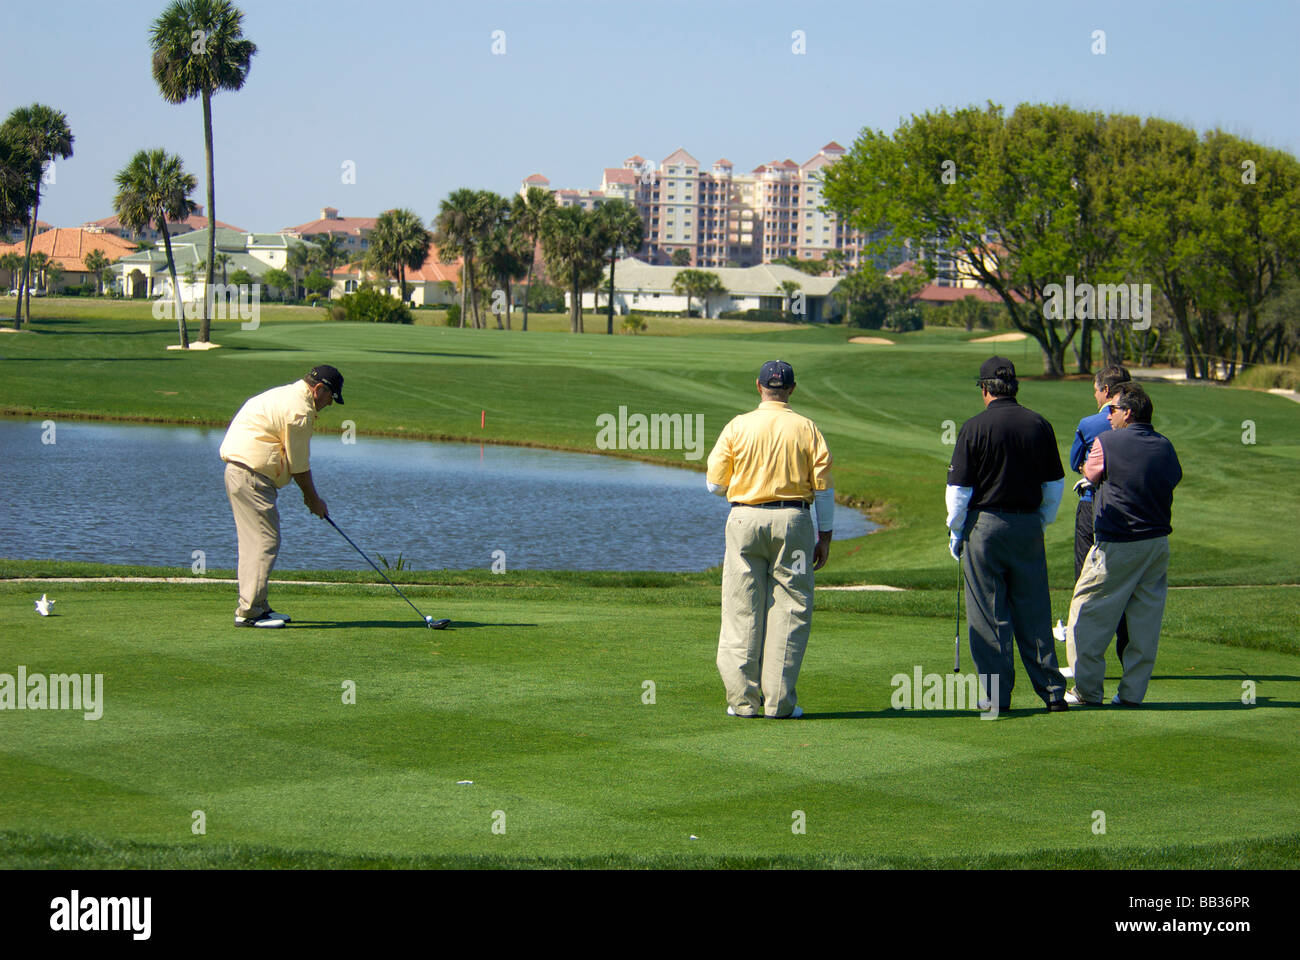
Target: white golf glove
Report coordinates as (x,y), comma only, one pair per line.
(955,545)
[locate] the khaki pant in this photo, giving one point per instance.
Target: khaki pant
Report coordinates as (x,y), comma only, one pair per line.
(767,601)
(1119,580)
(257,522)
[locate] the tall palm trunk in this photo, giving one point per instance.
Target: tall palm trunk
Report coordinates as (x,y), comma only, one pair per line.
(205,324)
(528,291)
(609,327)
(22,274)
(176,288)
(464,285)
(26,293)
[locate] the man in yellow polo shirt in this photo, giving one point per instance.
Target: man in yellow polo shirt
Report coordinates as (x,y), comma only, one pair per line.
(771,463)
(267,445)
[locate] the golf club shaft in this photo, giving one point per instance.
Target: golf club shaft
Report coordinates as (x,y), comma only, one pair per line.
(956,639)
(373,564)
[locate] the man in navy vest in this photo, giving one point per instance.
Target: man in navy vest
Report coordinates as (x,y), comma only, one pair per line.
(1104,387)
(1135,471)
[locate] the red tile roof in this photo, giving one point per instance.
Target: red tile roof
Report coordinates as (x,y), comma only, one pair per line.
(433,270)
(724,162)
(619,175)
(832,147)
(932,293)
(68,247)
(536,178)
(194,221)
(333,225)
(635,159)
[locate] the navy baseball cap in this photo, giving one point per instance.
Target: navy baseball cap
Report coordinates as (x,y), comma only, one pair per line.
(776,375)
(998,368)
(329,376)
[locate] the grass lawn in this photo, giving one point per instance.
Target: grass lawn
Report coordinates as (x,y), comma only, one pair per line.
(536,694)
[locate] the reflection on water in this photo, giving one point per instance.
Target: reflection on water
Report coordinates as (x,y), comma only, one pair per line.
(155,495)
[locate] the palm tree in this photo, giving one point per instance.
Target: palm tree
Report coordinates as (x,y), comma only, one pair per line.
(15,200)
(199,49)
(222,260)
(298,261)
(622,226)
(699,284)
(788,290)
(39,262)
(11,263)
(465,219)
(96,262)
(329,252)
(399,242)
(505,259)
(37,134)
(154,188)
(575,249)
(527,215)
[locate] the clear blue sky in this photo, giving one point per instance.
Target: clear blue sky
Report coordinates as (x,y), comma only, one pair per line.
(413,94)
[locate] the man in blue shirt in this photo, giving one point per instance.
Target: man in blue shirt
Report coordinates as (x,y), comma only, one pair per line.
(1105,386)
(1135,471)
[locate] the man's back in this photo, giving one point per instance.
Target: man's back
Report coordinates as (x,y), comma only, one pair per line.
(1005,454)
(1135,499)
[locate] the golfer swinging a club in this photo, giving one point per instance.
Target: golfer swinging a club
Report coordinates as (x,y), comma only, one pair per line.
(267,445)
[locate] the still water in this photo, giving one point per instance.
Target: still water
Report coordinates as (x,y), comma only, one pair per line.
(154,495)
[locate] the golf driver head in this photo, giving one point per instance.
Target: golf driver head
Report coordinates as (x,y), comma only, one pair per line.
(437,624)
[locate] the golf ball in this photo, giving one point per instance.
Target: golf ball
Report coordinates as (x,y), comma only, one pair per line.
(429,619)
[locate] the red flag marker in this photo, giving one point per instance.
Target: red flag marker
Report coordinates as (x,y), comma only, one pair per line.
(482,419)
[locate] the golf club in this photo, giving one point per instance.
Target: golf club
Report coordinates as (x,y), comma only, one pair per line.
(956,639)
(429,621)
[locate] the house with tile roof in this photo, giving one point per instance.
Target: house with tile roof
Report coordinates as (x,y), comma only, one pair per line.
(642,286)
(15,233)
(354,232)
(144,274)
(69,247)
(432,282)
(195,221)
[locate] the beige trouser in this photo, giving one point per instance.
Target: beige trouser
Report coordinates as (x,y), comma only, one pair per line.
(767,601)
(1119,579)
(257,521)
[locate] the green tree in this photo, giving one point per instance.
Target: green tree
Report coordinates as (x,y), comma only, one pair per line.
(871,298)
(574,247)
(96,262)
(465,219)
(506,258)
(1006,199)
(298,261)
(280,280)
(399,242)
(622,227)
(198,49)
(681,257)
(12,263)
(697,285)
(223,260)
(37,135)
(318,283)
(39,262)
(527,215)
(241,278)
(329,252)
(153,189)
(788,289)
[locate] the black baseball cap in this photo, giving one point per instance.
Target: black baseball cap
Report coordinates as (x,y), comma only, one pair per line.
(329,376)
(776,375)
(998,368)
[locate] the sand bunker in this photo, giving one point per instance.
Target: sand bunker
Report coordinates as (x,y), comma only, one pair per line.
(1001,338)
(881,341)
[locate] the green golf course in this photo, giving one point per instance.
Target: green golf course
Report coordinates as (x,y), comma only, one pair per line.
(576,719)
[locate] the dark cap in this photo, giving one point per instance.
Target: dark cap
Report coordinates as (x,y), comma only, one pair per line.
(329,376)
(776,375)
(998,368)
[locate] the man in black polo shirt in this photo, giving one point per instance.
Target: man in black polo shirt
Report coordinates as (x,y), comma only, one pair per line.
(1135,471)
(1004,485)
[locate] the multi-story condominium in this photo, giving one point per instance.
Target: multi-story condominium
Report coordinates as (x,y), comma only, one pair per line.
(721,218)
(353,231)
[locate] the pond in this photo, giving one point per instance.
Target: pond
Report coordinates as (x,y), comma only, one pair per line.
(154,495)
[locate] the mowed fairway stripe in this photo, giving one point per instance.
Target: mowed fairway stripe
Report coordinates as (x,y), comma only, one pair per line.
(542,707)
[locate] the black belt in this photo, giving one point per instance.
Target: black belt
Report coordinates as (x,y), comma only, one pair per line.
(774,503)
(1007,509)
